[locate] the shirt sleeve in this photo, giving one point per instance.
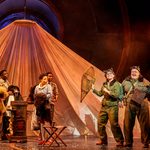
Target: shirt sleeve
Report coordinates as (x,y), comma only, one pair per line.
(49,92)
(99,93)
(35,90)
(55,89)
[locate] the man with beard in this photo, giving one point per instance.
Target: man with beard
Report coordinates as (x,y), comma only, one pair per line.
(135,89)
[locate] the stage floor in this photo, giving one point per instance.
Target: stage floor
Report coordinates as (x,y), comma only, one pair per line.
(73,143)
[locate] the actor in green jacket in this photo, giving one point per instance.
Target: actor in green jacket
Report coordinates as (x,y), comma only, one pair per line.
(113,93)
(135,89)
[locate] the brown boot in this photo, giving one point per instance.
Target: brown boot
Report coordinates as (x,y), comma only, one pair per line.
(146,145)
(119,144)
(101,143)
(128,145)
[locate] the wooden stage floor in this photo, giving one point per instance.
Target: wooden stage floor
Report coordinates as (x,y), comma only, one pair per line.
(73,143)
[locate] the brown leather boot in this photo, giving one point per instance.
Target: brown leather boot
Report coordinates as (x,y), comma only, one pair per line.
(101,143)
(146,145)
(128,145)
(119,144)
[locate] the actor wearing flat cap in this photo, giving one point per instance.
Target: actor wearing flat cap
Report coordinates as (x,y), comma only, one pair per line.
(135,90)
(113,93)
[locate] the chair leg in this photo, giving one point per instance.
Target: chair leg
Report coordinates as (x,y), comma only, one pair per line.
(50,136)
(54,134)
(57,136)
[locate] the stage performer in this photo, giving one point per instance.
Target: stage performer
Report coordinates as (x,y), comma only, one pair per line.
(135,89)
(13,95)
(113,93)
(5,84)
(54,91)
(44,88)
(3,95)
(4,79)
(6,117)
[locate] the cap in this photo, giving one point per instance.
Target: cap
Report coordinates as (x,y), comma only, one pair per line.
(136,67)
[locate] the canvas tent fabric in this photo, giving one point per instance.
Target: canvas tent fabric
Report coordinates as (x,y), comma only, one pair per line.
(27,50)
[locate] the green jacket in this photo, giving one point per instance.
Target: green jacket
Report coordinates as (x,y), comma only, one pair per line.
(135,84)
(116,93)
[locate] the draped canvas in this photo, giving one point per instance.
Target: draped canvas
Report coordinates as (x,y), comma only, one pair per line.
(27,50)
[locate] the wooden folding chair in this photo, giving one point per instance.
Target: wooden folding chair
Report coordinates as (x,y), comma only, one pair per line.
(54,133)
